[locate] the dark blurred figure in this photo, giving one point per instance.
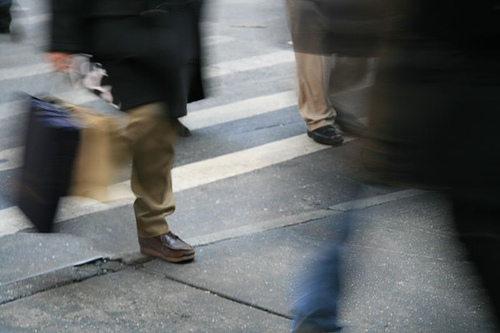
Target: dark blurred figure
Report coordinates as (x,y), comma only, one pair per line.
(435,115)
(150,50)
(433,124)
(5,17)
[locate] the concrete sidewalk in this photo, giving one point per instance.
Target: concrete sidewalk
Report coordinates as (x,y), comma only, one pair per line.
(405,272)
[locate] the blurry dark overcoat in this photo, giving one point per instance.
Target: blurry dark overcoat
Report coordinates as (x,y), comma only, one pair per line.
(150,48)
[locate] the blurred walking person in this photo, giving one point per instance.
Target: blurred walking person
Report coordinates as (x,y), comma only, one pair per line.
(150,52)
(433,125)
(434,118)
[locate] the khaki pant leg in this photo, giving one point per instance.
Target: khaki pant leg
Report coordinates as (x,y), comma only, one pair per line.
(151,137)
(313,80)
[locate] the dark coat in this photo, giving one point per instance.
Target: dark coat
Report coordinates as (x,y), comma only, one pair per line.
(149,48)
(346,27)
(434,113)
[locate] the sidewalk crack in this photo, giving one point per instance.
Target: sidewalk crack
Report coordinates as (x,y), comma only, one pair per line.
(221,295)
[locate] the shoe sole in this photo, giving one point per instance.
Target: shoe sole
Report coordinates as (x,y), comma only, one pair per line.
(160,255)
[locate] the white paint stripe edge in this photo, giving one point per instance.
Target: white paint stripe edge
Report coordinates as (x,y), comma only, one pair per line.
(285,221)
(260,227)
(195,120)
(300,218)
(375,201)
(277,223)
(248,64)
(239,110)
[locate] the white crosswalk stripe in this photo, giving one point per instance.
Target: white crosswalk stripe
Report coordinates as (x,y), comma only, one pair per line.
(240,110)
(249,64)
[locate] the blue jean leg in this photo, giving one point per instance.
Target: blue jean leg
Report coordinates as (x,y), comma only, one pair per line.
(316,305)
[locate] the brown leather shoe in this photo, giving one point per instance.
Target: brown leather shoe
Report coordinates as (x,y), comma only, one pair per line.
(168,247)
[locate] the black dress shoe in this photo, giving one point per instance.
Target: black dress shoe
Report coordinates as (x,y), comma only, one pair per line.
(327,135)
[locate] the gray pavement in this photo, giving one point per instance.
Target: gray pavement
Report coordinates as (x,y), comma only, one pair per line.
(255,231)
(403,273)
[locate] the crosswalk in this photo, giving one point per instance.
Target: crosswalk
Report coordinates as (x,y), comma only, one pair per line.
(186,176)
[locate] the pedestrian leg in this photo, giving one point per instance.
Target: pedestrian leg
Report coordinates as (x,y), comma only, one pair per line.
(313,79)
(151,139)
(151,136)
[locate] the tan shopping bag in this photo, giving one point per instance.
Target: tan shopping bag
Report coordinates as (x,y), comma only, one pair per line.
(102,152)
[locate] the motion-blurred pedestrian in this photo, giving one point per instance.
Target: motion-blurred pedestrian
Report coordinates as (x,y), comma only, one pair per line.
(150,53)
(434,118)
(432,124)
